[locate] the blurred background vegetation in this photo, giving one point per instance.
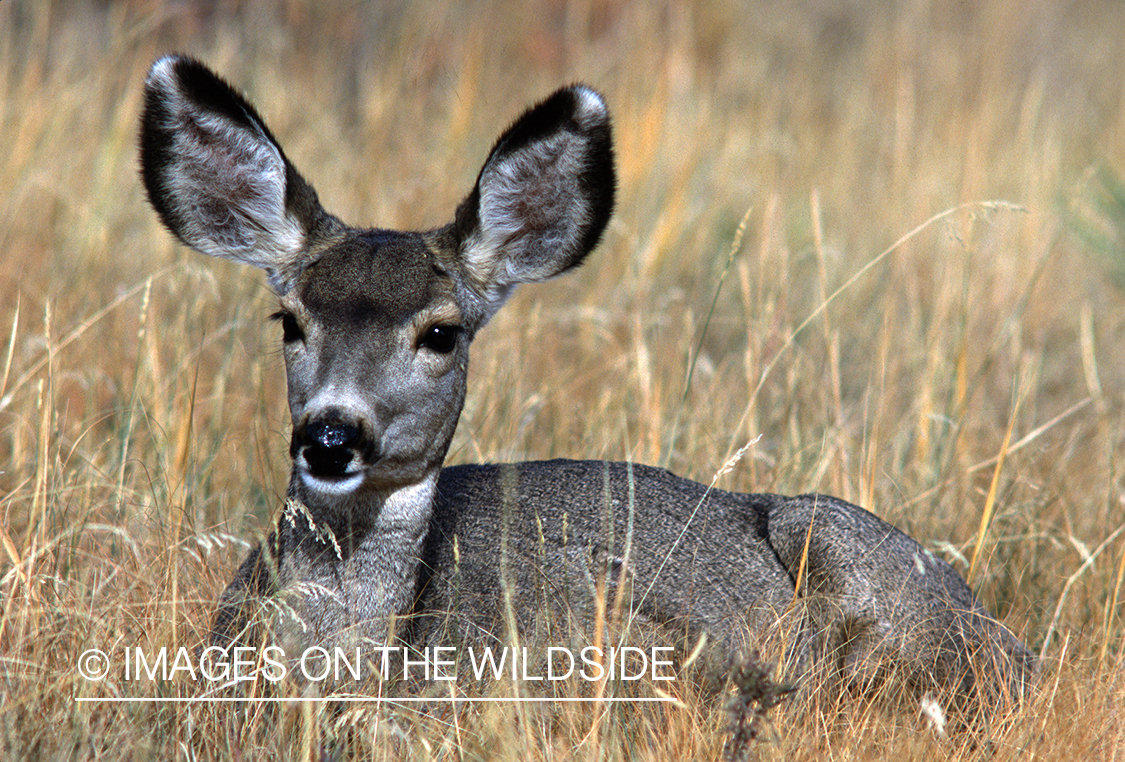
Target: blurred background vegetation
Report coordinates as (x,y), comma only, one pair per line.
(883,241)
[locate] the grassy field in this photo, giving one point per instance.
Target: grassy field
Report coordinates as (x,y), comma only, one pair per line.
(883,243)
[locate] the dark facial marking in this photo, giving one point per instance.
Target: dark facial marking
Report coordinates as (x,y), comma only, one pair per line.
(377,276)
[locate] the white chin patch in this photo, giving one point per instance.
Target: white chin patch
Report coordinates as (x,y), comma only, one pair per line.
(344,485)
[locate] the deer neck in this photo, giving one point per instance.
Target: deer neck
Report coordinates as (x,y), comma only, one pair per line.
(364,553)
(381,531)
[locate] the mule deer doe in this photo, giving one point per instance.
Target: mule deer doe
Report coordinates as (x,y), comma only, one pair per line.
(378,541)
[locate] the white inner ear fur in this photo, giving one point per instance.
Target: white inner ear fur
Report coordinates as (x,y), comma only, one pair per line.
(230,186)
(532,209)
(531,203)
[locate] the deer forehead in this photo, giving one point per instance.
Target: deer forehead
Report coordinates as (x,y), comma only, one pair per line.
(377,279)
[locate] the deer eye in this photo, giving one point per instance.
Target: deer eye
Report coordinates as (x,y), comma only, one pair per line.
(290,328)
(440,338)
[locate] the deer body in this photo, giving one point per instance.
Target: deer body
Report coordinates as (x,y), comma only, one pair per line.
(378,541)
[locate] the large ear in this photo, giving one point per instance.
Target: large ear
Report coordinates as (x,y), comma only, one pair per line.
(219,180)
(543,197)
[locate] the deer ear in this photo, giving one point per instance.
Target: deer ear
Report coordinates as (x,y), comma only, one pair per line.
(543,197)
(219,180)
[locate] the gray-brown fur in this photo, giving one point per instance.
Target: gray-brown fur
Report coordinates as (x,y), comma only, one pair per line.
(379,541)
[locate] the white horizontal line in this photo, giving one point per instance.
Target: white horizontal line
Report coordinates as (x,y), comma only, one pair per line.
(367,699)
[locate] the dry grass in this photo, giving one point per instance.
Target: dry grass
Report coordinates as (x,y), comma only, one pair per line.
(968,385)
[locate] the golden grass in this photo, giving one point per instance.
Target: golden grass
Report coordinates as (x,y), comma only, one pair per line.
(968,385)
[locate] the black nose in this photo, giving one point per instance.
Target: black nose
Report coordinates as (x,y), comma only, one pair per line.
(331,435)
(329,447)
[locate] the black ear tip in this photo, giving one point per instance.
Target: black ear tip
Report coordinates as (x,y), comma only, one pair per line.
(178,83)
(170,61)
(173,69)
(578,107)
(586,104)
